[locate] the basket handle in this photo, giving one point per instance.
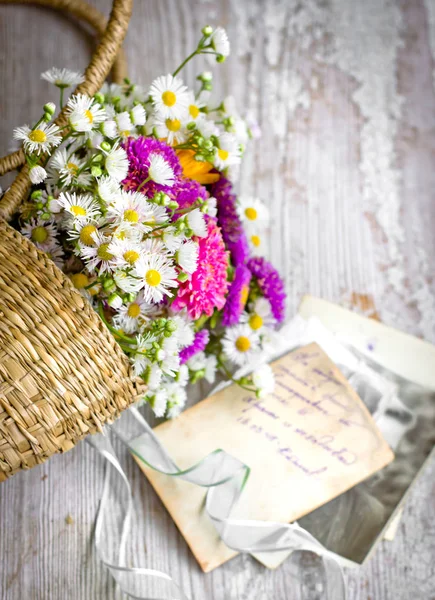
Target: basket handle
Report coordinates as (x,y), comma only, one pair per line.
(101,62)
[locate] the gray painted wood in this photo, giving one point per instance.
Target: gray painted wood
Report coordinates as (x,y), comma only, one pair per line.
(344,92)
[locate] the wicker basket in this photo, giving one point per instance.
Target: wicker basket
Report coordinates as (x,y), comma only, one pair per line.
(62,375)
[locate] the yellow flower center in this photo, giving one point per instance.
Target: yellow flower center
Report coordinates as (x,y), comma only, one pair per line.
(104,253)
(243,344)
(169,98)
(173,124)
(133,310)
(39,235)
(78,211)
(37,135)
(194,111)
(223,154)
(86,235)
(131,256)
(89,116)
(244,295)
(255,322)
(130,215)
(153,277)
(255,239)
(72,167)
(125,133)
(79,280)
(251,214)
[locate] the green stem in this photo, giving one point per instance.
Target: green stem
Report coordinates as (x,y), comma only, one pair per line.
(185,61)
(62,89)
(143,183)
(112,329)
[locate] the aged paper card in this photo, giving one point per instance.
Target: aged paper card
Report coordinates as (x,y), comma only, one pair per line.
(310,441)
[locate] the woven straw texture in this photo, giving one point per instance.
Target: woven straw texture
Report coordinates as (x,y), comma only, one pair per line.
(62,375)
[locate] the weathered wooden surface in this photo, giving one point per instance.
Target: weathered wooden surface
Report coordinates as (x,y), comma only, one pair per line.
(345,94)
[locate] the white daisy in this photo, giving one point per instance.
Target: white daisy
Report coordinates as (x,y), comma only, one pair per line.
(240,344)
(256,244)
(259,315)
(140,360)
(62,78)
(176,399)
(124,123)
(126,252)
(109,129)
(158,275)
(82,232)
(111,91)
(207,128)
(173,130)
(37,174)
(98,255)
(228,152)
(84,113)
(253,212)
(138,115)
(194,108)
(66,167)
(210,207)
(159,401)
(108,189)
(204,363)
(42,139)
(173,238)
(220,42)
(160,171)
(81,207)
(127,282)
(41,233)
(264,380)
(132,209)
(153,377)
(184,334)
(116,163)
(182,377)
(170,361)
(196,221)
(187,256)
(129,316)
(169,97)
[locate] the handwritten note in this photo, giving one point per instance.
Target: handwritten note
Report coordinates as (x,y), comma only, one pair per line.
(306,443)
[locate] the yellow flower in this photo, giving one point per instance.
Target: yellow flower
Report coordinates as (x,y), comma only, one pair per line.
(195,169)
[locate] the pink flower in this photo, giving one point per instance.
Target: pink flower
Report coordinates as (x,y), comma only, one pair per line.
(207,287)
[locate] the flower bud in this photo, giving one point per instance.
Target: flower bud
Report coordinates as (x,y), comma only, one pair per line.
(183,277)
(50,108)
(106,146)
(114,301)
(220,58)
(96,171)
(207,30)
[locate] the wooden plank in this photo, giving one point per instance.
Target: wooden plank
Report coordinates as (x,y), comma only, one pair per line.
(345,97)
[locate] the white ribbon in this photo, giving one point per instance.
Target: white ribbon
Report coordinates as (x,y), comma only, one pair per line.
(225,476)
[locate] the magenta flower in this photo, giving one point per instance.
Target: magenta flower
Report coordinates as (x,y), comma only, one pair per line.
(270,284)
(198,345)
(228,219)
(187,192)
(237,296)
(138,152)
(207,287)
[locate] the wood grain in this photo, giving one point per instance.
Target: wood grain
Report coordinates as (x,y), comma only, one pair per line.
(344,93)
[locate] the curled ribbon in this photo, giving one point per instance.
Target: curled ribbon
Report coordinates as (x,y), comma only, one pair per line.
(225,477)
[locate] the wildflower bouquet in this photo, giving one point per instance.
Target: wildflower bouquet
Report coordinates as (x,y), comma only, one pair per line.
(134,200)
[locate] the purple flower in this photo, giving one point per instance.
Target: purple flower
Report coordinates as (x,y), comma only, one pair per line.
(270,284)
(139,151)
(187,193)
(237,296)
(229,221)
(198,345)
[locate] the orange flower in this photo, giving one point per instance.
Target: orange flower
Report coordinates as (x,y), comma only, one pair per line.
(195,169)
